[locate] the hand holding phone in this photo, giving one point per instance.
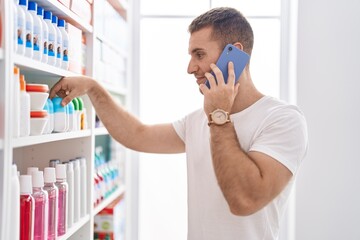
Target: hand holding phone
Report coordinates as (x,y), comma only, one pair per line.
(235,55)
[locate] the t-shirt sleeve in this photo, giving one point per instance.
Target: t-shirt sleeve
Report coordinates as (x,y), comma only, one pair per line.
(283,136)
(179,127)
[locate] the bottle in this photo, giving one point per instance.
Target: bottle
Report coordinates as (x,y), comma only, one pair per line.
(76,113)
(15,26)
(16,101)
(60,116)
(83,187)
(82,113)
(41,206)
(44,35)
(30,170)
(65,44)
(24,109)
(51,115)
(53,194)
(63,198)
(14,231)
(70,180)
(29,28)
(51,38)
(37,31)
(71,117)
(77,187)
(53,163)
(58,41)
(27,206)
(20,30)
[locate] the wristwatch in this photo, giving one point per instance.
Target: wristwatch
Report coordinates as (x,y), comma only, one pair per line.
(219,117)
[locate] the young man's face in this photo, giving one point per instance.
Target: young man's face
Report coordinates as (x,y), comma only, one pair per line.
(203,52)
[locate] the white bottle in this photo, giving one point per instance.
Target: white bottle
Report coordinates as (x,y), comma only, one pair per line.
(58,42)
(24,109)
(72,117)
(60,116)
(15,26)
(29,28)
(37,33)
(16,101)
(83,187)
(65,44)
(20,30)
(70,180)
(77,189)
(45,35)
(51,38)
(14,231)
(31,170)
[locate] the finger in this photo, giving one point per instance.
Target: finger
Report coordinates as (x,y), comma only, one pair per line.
(203,88)
(56,88)
(211,79)
(68,98)
(231,72)
(218,74)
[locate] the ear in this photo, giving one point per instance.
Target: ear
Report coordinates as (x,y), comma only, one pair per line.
(239,45)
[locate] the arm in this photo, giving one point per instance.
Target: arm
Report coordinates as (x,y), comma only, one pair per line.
(248,181)
(123,126)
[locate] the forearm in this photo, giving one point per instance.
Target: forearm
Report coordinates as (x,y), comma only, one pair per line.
(238,176)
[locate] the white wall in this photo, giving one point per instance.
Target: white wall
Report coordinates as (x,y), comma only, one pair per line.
(328,189)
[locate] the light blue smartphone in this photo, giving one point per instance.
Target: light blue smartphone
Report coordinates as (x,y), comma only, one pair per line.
(235,55)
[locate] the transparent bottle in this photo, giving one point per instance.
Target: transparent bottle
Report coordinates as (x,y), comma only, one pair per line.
(58,41)
(53,194)
(65,44)
(20,30)
(27,206)
(45,35)
(70,180)
(63,198)
(41,206)
(37,31)
(14,231)
(29,28)
(51,38)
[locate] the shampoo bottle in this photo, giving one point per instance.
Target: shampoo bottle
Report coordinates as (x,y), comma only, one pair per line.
(63,198)
(53,194)
(27,206)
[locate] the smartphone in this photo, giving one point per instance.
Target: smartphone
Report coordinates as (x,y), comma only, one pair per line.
(235,55)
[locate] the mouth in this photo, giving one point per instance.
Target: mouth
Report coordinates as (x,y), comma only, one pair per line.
(200,80)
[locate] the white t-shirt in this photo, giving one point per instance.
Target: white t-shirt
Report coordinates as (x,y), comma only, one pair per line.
(268,126)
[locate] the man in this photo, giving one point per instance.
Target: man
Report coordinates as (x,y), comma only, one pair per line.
(240,168)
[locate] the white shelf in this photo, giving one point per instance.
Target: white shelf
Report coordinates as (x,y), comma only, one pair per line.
(112,45)
(29,66)
(100,131)
(109,200)
(63,12)
(75,227)
(32,140)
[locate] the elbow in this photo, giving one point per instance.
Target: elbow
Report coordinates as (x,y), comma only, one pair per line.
(244,207)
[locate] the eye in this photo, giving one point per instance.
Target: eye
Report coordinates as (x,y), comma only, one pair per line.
(199,55)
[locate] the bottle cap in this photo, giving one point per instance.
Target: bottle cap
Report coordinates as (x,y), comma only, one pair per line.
(37,179)
(69,166)
(75,101)
(61,23)
(40,11)
(25,184)
(47,15)
(22,83)
(34,87)
(49,175)
(16,70)
(38,114)
(54,19)
(82,161)
(54,162)
(22,2)
(60,171)
(76,163)
(57,105)
(30,170)
(81,103)
(32,6)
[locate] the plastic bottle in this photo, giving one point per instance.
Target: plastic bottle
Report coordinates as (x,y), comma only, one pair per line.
(41,206)
(70,180)
(20,30)
(37,31)
(65,44)
(53,163)
(51,115)
(53,193)
(51,38)
(16,101)
(24,109)
(15,26)
(76,113)
(30,170)
(83,187)
(77,189)
(82,113)
(58,41)
(29,28)
(71,117)
(27,206)
(63,198)
(44,35)
(60,117)
(14,231)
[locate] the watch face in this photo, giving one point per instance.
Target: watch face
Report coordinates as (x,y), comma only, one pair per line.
(219,116)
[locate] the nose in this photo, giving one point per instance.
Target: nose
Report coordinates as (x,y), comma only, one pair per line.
(192,67)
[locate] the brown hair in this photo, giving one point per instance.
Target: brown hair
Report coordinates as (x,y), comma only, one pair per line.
(228,26)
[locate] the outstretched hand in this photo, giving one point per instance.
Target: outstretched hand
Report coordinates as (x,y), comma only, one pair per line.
(221,95)
(70,87)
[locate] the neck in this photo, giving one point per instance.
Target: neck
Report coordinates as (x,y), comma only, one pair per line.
(247,94)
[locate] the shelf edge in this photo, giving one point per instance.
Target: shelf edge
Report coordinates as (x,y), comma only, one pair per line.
(75,228)
(107,201)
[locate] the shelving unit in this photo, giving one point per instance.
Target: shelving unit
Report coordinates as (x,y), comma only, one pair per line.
(38,150)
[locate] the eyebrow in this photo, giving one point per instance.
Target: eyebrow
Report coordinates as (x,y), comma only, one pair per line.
(196,50)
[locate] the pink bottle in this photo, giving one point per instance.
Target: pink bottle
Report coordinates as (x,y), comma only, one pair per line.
(27,205)
(63,198)
(53,193)
(41,206)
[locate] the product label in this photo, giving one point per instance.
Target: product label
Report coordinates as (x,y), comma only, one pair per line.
(37,39)
(45,39)
(65,51)
(20,31)
(29,43)
(51,51)
(58,52)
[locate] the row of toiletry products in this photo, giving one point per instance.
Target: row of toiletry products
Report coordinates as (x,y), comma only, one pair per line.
(35,114)
(40,35)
